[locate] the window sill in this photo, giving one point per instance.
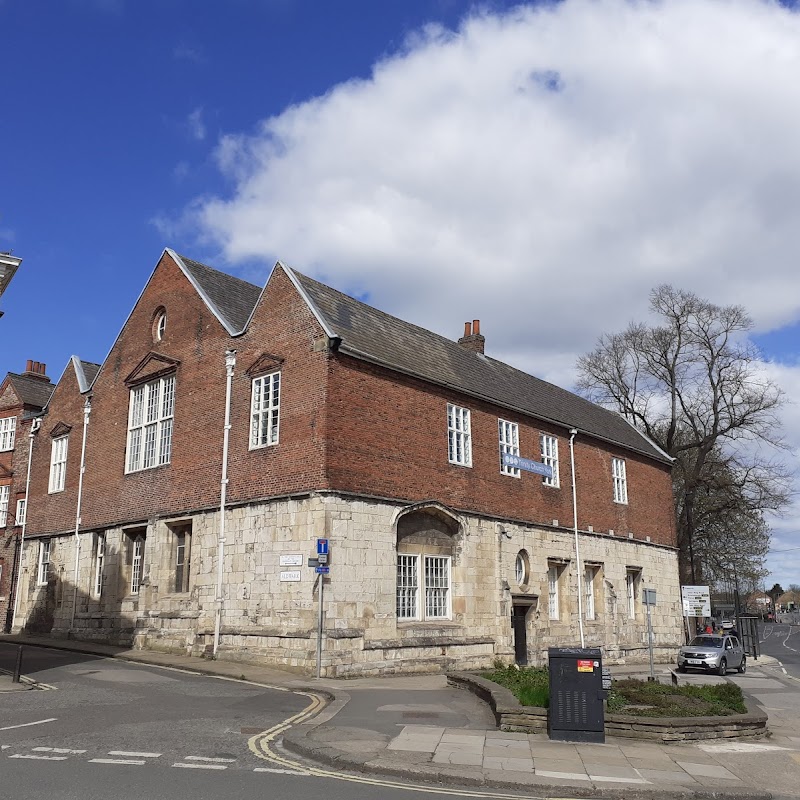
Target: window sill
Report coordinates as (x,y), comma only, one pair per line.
(459,464)
(621,502)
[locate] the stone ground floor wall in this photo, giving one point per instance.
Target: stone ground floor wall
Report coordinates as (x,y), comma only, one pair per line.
(270,594)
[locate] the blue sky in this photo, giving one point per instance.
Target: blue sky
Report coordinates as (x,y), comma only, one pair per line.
(538,166)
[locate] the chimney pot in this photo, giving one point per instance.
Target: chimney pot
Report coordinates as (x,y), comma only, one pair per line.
(476,327)
(29,366)
(467,329)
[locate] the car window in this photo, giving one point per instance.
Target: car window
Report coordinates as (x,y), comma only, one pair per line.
(728,643)
(734,641)
(706,641)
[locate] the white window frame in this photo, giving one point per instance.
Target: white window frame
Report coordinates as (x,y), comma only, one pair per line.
(44,562)
(183,559)
(151,414)
(99,564)
(137,562)
(459,436)
(265,407)
(620,477)
(8,428)
(424,587)
(508,435)
(22,509)
(589,574)
(549,446)
(631,581)
(553,605)
(58,464)
(522,568)
(5,494)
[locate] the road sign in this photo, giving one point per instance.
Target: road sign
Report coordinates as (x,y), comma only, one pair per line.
(322,558)
(696,601)
(527,464)
(322,570)
(649,597)
(322,547)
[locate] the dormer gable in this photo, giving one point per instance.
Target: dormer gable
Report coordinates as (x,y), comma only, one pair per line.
(152,366)
(266,362)
(60,429)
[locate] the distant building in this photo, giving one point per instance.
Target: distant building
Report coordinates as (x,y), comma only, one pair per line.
(22,398)
(256,421)
(8,266)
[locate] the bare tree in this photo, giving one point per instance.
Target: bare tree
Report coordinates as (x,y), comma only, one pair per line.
(693,385)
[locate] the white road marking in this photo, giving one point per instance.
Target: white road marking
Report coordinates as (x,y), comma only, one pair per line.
(206,758)
(28,724)
(41,758)
(115,761)
(57,750)
(610,779)
(201,766)
(739,747)
(133,755)
(280,771)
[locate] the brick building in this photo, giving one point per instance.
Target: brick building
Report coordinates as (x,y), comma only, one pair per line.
(252,422)
(22,398)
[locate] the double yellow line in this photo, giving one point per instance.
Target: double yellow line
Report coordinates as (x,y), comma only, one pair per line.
(261,746)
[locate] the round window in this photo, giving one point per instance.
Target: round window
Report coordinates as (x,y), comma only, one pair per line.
(521,568)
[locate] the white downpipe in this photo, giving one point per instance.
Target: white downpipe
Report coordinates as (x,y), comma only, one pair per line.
(35,424)
(230,363)
(578,563)
(87,409)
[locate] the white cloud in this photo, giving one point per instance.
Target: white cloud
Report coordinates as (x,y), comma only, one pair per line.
(541,170)
(195,125)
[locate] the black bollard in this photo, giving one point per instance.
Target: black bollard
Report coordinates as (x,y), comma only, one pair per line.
(18,665)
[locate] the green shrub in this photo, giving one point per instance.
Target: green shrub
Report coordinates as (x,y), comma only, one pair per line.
(531,686)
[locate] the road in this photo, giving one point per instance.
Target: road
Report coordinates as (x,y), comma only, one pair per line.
(121,731)
(782,640)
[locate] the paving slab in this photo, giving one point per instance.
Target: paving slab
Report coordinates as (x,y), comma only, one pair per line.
(707,771)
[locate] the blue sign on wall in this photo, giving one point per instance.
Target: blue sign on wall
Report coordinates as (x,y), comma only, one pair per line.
(322,547)
(527,464)
(322,570)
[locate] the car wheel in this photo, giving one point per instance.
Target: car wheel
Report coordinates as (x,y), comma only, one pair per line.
(723,667)
(681,667)
(743,665)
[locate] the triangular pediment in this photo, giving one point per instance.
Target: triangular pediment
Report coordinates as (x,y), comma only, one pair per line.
(60,429)
(152,366)
(266,362)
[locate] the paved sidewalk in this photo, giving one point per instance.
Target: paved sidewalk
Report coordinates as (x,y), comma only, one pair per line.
(423,731)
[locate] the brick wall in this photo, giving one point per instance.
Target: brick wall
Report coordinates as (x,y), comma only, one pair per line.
(388,437)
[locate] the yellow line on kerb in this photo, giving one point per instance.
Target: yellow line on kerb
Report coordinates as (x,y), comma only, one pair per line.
(260,747)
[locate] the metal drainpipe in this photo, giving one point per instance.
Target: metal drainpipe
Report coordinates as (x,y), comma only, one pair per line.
(87,409)
(572,434)
(230,363)
(35,425)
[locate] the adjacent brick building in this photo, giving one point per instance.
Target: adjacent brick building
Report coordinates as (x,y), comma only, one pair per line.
(253,422)
(22,398)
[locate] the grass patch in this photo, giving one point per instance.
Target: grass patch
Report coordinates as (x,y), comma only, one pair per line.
(531,686)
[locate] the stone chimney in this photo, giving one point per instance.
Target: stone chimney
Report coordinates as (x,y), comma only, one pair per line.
(35,369)
(472,339)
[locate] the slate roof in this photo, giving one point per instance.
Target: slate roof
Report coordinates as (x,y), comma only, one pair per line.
(372,335)
(375,336)
(90,370)
(231,299)
(31,391)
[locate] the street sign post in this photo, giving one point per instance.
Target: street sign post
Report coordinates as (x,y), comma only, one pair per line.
(322,569)
(650,600)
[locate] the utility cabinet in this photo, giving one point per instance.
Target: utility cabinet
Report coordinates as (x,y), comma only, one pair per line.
(576,695)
